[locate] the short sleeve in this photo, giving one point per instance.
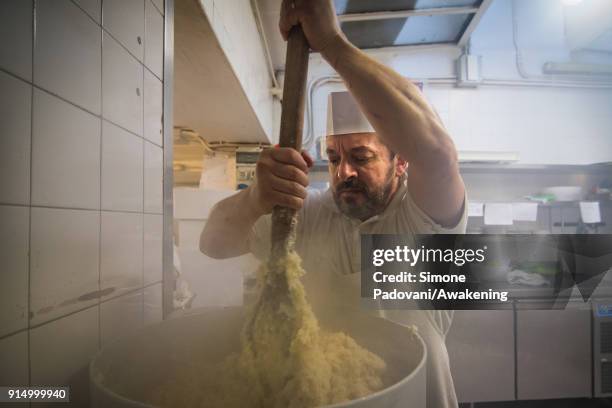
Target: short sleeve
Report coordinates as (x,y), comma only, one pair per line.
(259,237)
(423,224)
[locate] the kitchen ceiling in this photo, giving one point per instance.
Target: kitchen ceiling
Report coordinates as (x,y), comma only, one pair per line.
(388,23)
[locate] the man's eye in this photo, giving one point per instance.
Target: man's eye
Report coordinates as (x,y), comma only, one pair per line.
(334,160)
(362,159)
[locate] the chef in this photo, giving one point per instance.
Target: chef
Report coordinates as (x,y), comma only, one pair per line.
(393,169)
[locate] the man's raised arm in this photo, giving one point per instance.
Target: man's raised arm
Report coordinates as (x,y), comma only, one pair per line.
(393,105)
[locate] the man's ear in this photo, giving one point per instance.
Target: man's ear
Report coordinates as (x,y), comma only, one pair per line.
(401,165)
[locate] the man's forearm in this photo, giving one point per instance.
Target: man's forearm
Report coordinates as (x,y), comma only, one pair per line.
(229,225)
(394,105)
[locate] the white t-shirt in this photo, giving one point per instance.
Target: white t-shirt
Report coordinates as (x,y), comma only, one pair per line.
(329,243)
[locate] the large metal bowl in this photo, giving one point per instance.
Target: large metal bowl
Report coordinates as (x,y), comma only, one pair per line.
(124,372)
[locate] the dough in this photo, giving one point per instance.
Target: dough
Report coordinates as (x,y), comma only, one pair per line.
(286,359)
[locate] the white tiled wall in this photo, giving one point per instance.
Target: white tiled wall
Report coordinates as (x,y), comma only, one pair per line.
(81,170)
(64,254)
(67,53)
(121,86)
(153,112)
(16,27)
(154,32)
(15,128)
(14,357)
(153,176)
(122,169)
(14,233)
(121,250)
(65,154)
(124,20)
(152,247)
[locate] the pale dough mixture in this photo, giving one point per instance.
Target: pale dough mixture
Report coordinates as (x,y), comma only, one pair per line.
(319,367)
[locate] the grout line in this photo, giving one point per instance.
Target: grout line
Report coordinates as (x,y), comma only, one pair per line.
(87,13)
(19,77)
(100,175)
(29,278)
(36,326)
(156,8)
(14,333)
(82,209)
(144,95)
(124,294)
(79,209)
(148,285)
(153,73)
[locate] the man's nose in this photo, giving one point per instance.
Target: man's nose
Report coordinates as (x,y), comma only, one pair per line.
(346,170)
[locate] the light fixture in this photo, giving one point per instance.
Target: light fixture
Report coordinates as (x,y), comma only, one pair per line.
(571,2)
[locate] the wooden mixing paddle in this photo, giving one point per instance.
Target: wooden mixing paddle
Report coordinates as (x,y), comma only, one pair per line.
(284,219)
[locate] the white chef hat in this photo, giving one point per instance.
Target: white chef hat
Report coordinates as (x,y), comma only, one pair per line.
(344,115)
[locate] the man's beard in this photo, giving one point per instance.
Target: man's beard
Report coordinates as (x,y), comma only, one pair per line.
(376,199)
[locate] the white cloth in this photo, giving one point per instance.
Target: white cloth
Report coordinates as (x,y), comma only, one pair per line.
(329,244)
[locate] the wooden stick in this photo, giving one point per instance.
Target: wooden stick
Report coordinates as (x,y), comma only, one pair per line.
(292,123)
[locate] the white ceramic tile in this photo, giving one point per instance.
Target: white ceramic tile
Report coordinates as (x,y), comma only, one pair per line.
(122,169)
(65,154)
(64,262)
(153,178)
(14,230)
(154,40)
(120,317)
(160,5)
(14,358)
(122,248)
(67,53)
(91,7)
(153,108)
(153,304)
(124,19)
(15,120)
(16,37)
(60,352)
(153,241)
(122,86)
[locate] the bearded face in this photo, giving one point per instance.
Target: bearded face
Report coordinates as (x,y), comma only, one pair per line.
(356,199)
(363,172)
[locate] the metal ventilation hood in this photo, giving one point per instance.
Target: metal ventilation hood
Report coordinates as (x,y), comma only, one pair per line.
(375,24)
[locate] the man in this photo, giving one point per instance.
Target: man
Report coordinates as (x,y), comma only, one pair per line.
(401,177)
